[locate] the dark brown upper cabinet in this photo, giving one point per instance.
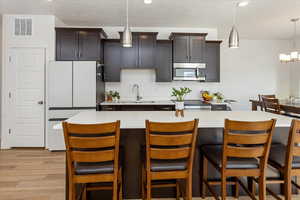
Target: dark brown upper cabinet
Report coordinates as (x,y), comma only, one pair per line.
(142,52)
(164,61)
(188,47)
(212,60)
(112,60)
(73,44)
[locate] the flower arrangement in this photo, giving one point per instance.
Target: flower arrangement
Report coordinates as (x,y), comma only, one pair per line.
(180,93)
(112,96)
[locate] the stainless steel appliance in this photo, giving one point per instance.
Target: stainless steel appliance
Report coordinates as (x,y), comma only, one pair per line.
(189,72)
(196,105)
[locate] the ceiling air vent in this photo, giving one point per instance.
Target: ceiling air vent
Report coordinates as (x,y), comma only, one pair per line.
(23,27)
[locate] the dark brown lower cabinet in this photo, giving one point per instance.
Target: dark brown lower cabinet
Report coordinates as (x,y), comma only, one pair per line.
(137,107)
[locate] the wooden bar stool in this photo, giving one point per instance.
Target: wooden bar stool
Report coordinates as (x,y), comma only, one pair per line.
(244,152)
(170,151)
(93,157)
(286,159)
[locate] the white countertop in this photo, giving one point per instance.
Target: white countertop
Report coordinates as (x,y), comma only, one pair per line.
(207,119)
(146,102)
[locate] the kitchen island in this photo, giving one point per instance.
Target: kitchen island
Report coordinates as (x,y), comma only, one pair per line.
(133,139)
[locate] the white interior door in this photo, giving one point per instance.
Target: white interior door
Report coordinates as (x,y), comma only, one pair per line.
(26,75)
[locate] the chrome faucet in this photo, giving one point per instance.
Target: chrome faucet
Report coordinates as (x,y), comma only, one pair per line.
(137,87)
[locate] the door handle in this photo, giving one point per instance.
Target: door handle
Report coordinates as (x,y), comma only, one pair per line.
(40,102)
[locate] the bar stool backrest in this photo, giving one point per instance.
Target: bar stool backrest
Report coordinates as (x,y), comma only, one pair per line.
(293,146)
(271,105)
(248,140)
(92,143)
(171,141)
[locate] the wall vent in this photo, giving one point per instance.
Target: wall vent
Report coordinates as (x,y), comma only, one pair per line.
(23,27)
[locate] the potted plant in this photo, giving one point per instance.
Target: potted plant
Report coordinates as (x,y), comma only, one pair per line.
(112,96)
(219,97)
(179,94)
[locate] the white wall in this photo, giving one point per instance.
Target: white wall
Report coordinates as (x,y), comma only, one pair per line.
(252,69)
(43,37)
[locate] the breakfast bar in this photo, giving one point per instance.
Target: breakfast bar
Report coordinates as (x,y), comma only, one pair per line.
(210,131)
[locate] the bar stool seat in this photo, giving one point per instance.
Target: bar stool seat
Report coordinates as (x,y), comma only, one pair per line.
(93,168)
(214,154)
(168,165)
(278,154)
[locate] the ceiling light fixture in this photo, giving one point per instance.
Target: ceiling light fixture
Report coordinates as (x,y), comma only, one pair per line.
(243,3)
(49,0)
(147,1)
(127,35)
(294,55)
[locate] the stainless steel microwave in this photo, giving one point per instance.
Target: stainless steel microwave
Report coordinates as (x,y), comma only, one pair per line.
(189,72)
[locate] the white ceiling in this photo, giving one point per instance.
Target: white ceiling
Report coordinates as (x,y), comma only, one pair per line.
(261,19)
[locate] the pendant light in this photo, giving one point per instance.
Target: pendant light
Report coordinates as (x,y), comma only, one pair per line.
(234,39)
(127,35)
(294,55)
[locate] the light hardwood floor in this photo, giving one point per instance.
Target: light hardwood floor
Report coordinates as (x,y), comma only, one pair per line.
(35,174)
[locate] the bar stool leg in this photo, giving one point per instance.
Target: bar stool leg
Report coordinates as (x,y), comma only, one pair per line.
(262,187)
(148,188)
(189,188)
(288,187)
(223,186)
(204,177)
(84,193)
(177,191)
(237,191)
(115,190)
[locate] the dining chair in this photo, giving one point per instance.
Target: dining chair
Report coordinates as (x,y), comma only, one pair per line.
(271,105)
(93,158)
(260,96)
(170,149)
(244,153)
(286,159)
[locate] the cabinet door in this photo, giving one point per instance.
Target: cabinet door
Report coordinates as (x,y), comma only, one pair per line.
(130,54)
(147,44)
(112,61)
(181,49)
(197,44)
(89,46)
(84,84)
(60,84)
(164,61)
(66,45)
(212,60)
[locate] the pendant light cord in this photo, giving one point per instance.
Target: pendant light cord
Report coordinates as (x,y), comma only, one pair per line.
(127,13)
(295,34)
(235,15)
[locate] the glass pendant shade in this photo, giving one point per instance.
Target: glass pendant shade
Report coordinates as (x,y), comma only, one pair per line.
(234,40)
(127,37)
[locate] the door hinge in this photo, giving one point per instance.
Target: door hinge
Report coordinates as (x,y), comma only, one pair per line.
(9,58)
(9,131)
(9,95)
